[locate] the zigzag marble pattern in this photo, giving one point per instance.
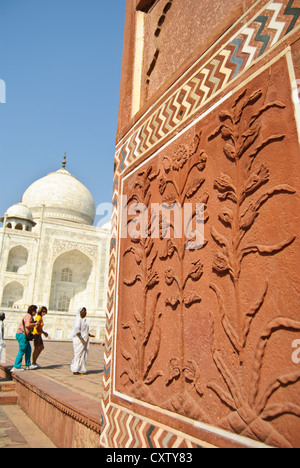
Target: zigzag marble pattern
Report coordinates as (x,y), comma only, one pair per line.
(253,40)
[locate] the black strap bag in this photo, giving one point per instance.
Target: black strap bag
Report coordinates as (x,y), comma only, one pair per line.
(29,336)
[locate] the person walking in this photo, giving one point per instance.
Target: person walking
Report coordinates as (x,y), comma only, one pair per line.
(80,337)
(2,342)
(25,328)
(38,332)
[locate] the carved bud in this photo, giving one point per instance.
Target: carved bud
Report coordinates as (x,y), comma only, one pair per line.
(170,276)
(226,132)
(197,270)
(167,164)
(224,183)
(230,151)
(226,216)
(221,264)
(248,217)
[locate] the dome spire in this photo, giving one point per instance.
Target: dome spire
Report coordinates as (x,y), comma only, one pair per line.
(64,161)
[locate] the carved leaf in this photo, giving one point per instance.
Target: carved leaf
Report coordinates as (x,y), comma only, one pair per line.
(130,376)
(131,327)
(253,312)
(150,325)
(194,187)
(274,411)
(169,250)
(273,326)
(221,240)
(266,249)
(175,370)
(134,281)
(125,354)
(278,104)
(266,142)
(283,381)
(229,379)
(247,102)
(226,323)
(224,396)
(152,378)
(275,190)
(138,254)
(257,179)
(154,353)
(148,246)
(249,138)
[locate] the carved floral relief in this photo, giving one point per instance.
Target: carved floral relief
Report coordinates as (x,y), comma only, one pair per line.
(205,328)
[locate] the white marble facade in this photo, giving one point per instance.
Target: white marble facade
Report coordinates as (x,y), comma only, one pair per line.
(52,255)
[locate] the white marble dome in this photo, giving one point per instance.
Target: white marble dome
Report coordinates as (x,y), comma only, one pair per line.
(63,197)
(20,211)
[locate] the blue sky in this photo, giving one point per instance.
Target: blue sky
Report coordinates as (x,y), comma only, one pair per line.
(61,64)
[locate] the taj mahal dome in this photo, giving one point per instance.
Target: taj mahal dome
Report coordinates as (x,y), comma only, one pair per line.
(52,254)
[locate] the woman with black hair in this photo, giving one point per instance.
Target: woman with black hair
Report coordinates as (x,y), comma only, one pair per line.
(38,332)
(25,328)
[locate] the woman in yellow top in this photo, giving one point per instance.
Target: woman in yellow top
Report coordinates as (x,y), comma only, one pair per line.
(38,332)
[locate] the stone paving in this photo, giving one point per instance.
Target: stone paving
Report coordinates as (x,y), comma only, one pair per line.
(56,360)
(16,429)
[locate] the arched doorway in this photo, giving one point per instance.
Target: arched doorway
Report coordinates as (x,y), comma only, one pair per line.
(71,285)
(17,259)
(12,295)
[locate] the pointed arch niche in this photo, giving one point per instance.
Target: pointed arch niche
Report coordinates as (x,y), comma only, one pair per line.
(12,295)
(71,284)
(17,259)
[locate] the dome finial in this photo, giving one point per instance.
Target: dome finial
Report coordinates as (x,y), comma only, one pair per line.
(64,161)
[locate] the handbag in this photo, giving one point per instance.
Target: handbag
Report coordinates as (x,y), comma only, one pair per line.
(29,336)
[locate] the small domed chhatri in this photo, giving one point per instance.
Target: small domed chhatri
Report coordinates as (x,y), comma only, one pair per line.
(63,197)
(19,217)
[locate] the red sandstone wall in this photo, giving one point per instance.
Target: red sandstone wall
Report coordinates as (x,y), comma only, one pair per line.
(201,341)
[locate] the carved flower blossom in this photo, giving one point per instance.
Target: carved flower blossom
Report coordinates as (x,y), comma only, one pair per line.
(180,157)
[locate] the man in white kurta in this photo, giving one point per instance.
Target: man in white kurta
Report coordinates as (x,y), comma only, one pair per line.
(80,337)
